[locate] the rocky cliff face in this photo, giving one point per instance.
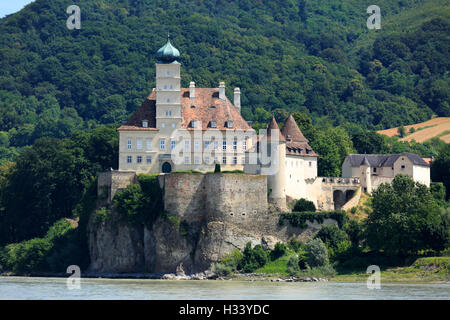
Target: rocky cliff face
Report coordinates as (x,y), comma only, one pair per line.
(208,216)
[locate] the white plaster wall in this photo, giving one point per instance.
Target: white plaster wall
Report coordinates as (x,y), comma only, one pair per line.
(422,174)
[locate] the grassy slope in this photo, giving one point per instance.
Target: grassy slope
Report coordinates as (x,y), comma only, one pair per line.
(437,127)
(430,269)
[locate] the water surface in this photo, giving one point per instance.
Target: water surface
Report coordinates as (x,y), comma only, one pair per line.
(56,288)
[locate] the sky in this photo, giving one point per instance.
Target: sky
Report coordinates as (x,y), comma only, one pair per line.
(11,6)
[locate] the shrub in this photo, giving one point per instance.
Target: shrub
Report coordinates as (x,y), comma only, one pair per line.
(302,259)
(292,266)
(26,256)
(316,253)
(232,259)
(331,235)
(303,205)
(298,219)
(401,131)
(438,190)
(253,258)
(322,271)
(33,255)
(295,244)
(221,269)
(140,203)
(101,215)
(279,251)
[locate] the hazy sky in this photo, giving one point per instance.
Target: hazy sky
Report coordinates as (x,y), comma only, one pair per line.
(11,6)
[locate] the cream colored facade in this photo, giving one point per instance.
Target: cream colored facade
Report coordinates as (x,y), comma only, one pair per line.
(298,169)
(372,176)
(147,151)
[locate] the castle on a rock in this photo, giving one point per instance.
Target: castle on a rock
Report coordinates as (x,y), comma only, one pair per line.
(186,129)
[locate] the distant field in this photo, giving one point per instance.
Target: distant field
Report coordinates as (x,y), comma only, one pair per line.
(437,127)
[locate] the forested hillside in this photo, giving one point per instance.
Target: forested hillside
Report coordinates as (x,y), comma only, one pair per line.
(314,57)
(64,92)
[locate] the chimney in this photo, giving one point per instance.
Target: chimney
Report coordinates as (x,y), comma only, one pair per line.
(192,90)
(222,90)
(237,99)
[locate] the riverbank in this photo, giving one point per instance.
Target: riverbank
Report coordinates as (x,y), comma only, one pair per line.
(423,270)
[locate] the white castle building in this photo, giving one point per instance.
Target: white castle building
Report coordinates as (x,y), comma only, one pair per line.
(374,169)
(184,129)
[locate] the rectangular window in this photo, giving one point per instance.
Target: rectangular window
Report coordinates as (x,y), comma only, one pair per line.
(149,159)
(139,144)
(234,160)
(207,145)
(172,144)
(129,159)
(235,145)
(244,145)
(216,145)
(224,160)
(187,145)
(207,160)
(194,124)
(216,160)
(197,145)
(213,124)
(187,160)
(149,144)
(224,144)
(197,160)
(139,159)
(162,144)
(129,145)
(229,124)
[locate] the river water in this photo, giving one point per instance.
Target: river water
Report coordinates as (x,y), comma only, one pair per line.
(56,288)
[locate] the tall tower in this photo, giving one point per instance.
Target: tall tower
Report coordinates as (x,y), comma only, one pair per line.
(168,91)
(276,175)
(365,175)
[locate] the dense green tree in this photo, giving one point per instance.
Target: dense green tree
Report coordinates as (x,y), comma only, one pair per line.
(440,168)
(405,219)
(316,253)
(302,205)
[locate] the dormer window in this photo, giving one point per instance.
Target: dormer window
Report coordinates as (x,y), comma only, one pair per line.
(194,123)
(144,123)
(213,124)
(229,124)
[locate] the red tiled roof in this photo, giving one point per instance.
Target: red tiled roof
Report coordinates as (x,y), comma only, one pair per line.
(206,107)
(291,129)
(147,111)
(296,143)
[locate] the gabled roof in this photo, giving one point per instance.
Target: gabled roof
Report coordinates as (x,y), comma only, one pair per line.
(291,129)
(206,107)
(383,160)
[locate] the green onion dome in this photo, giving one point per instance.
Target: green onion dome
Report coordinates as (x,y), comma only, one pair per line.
(168,53)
